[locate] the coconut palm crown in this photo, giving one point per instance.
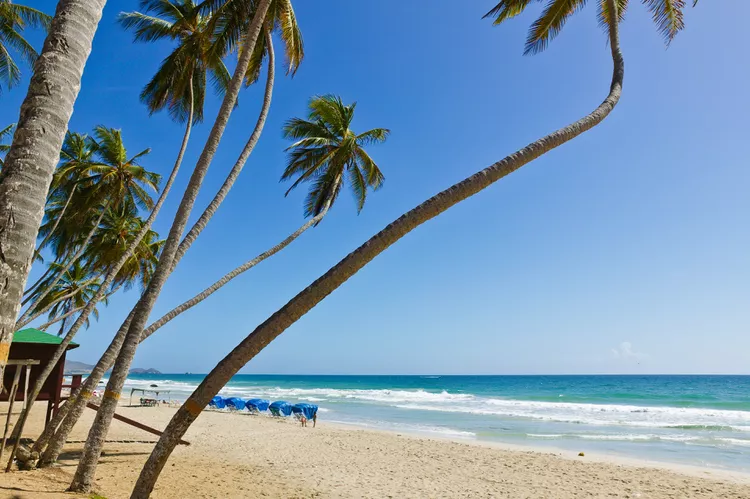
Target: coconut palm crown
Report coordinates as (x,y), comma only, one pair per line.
(327,153)
(667,15)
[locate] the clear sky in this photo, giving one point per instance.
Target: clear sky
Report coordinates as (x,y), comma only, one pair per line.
(624,251)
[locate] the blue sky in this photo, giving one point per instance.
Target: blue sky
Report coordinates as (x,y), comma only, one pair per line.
(625,251)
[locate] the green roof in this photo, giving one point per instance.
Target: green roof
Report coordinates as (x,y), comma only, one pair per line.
(31,335)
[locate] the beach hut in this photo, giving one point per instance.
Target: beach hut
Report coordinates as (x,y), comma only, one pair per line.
(307,410)
(280,408)
(257,405)
(30,352)
(235,403)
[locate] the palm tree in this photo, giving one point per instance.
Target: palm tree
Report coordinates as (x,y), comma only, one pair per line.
(230,21)
(326,154)
(114,181)
(5,132)
(31,160)
(116,234)
(337,275)
(76,160)
(117,231)
(327,150)
(92,450)
(667,15)
(195,60)
(14,19)
(75,288)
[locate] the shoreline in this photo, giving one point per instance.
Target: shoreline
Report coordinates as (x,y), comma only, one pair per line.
(245,456)
(735,476)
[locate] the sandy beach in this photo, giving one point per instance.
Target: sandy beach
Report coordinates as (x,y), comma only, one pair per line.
(238,455)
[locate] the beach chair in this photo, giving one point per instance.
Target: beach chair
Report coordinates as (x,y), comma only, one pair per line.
(280,409)
(217,403)
(257,405)
(235,403)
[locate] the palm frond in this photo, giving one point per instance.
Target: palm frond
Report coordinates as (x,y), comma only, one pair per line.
(14,40)
(374,177)
(30,17)
(374,136)
(147,28)
(549,24)
(291,35)
(603,17)
(668,17)
(506,9)
(9,72)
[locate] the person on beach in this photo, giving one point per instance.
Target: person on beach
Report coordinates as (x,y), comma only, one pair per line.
(315,418)
(303,420)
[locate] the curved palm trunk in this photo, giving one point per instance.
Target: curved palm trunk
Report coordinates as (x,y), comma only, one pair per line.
(33,286)
(56,433)
(231,275)
(209,212)
(57,221)
(326,284)
(75,406)
(49,306)
(57,441)
(35,151)
(92,450)
(25,318)
(111,274)
(106,297)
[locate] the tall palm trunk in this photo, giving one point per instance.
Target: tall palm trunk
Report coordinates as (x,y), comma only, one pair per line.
(187,305)
(326,284)
(67,314)
(27,316)
(70,413)
(111,274)
(56,433)
(35,151)
(31,288)
(75,407)
(57,300)
(234,173)
(41,245)
(92,450)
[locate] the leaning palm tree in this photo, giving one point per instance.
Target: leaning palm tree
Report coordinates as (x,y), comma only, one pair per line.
(322,287)
(178,86)
(84,475)
(326,155)
(230,23)
(32,157)
(14,18)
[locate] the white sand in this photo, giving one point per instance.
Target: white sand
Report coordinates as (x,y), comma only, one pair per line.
(235,455)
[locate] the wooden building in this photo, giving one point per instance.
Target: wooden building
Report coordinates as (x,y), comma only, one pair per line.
(32,344)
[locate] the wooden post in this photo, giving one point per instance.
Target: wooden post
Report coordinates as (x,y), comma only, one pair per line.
(132,422)
(26,384)
(11,399)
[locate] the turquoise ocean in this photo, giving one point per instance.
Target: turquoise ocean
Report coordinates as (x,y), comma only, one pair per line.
(696,420)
